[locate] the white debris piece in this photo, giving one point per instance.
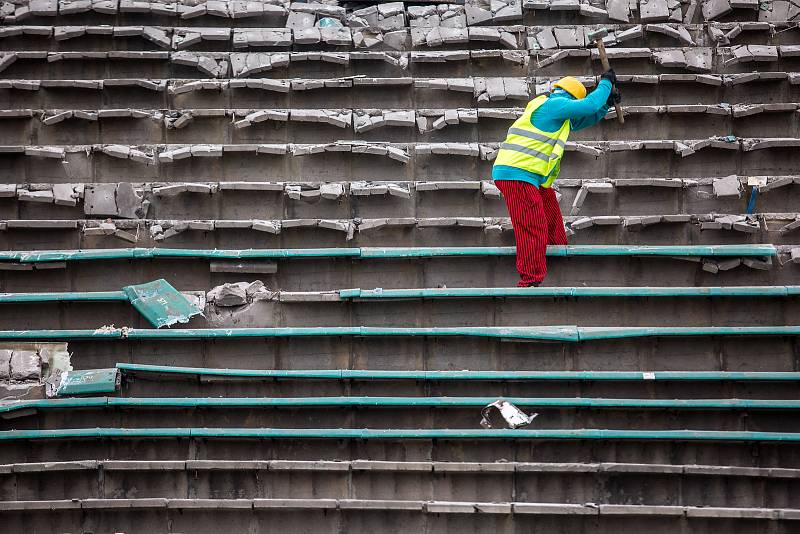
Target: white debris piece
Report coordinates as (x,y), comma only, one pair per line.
(513,416)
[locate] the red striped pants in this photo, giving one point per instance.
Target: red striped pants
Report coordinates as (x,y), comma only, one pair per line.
(536,218)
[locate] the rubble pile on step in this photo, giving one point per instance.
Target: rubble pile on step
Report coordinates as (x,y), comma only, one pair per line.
(238,294)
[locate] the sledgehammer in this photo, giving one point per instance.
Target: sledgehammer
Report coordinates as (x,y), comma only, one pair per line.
(597,37)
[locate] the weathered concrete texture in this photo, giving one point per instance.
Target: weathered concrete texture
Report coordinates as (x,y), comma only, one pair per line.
(230,306)
(350,482)
(317,518)
(233,125)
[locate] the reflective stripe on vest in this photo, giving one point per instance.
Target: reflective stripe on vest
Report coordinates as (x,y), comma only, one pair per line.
(536,136)
(531,149)
(525,150)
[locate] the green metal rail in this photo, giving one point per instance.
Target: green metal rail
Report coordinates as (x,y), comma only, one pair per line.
(491,292)
(396,402)
(396,434)
(345,374)
(75,296)
(391,252)
(727,291)
(569,333)
(159,302)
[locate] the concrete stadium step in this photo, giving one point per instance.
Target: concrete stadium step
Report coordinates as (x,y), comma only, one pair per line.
(278,37)
(391,16)
(148,515)
(157,380)
(363,161)
(406,267)
(536,38)
(429,307)
(584,230)
(445,434)
(359,295)
(148,126)
(383,92)
(563,333)
(322,65)
(726,353)
(606,483)
(113,445)
(688,251)
(634,204)
(401,413)
(640,203)
(450,272)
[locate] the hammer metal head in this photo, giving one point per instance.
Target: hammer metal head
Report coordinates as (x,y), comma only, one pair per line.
(598,34)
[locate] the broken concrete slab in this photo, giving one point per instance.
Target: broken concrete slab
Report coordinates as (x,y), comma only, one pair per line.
(100,199)
(128,201)
(5,364)
(729,186)
(25,365)
(618,10)
(794,225)
(713,9)
(65,195)
(570,37)
(44,196)
(653,10)
(228,295)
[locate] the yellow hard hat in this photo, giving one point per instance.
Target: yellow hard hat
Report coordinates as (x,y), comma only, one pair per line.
(572,86)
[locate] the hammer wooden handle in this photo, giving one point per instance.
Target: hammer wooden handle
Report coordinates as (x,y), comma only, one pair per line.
(601,50)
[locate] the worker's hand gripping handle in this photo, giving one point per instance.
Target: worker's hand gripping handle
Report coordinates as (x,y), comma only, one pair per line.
(601,50)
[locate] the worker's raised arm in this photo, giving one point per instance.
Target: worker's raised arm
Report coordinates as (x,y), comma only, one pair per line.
(581,112)
(589,120)
(565,108)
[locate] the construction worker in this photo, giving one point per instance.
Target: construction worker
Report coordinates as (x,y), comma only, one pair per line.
(529,160)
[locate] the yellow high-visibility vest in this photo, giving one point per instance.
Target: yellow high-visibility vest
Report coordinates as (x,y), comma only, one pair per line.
(528,148)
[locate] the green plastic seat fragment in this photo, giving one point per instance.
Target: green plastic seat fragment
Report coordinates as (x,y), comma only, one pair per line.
(89,382)
(160,303)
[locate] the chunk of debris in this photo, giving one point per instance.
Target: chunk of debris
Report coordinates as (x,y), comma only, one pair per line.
(228,295)
(84,382)
(727,187)
(25,365)
(618,10)
(713,9)
(502,412)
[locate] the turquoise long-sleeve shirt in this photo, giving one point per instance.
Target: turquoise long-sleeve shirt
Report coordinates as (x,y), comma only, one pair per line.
(558,107)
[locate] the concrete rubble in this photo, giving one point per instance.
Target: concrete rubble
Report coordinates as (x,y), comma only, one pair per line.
(728,186)
(20,365)
(120,200)
(228,295)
